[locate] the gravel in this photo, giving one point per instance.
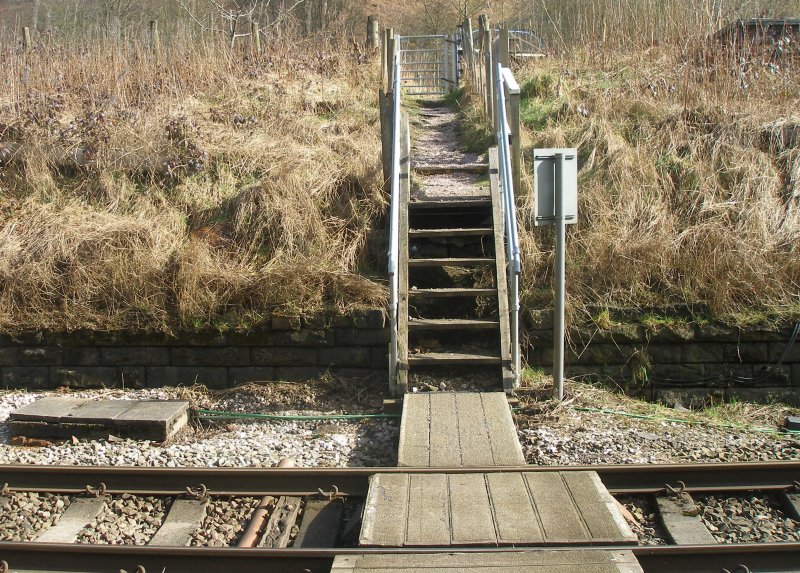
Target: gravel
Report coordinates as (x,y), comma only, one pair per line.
(26,514)
(751,519)
(225,521)
(594,438)
(126,520)
(646,525)
(235,444)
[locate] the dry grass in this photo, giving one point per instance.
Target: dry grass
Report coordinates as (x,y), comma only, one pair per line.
(208,188)
(689,178)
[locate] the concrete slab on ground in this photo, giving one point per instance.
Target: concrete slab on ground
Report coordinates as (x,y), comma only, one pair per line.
(458,429)
(492,509)
(590,561)
(80,513)
(55,417)
(184,518)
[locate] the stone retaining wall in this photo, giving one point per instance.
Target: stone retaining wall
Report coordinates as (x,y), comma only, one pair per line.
(289,348)
(683,360)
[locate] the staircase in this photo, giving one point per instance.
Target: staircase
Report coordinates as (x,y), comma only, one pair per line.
(453,305)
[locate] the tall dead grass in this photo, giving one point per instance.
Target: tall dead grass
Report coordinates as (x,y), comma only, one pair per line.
(207,187)
(688,184)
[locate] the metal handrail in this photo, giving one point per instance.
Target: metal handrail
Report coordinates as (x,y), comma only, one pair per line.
(505,80)
(394,217)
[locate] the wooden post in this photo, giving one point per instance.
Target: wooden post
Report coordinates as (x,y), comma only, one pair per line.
(469,50)
(388,34)
(502,44)
(390,67)
(155,39)
(255,32)
(373,36)
(386,109)
(489,73)
(26,39)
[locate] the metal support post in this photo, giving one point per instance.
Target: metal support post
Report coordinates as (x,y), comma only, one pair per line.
(560,279)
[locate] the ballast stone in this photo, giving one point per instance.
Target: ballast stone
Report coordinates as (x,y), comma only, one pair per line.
(57,417)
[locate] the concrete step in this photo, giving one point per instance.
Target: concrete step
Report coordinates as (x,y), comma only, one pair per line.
(451,324)
(446,233)
(452,358)
(452,262)
(451,292)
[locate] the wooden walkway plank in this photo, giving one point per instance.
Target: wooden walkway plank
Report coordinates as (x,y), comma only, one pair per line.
(415,425)
(538,561)
(598,510)
(506,447)
(445,443)
(184,518)
(470,511)
(428,512)
(80,513)
(555,506)
(476,446)
(515,517)
(386,510)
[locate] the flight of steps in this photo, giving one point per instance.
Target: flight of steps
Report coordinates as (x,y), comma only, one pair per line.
(453,309)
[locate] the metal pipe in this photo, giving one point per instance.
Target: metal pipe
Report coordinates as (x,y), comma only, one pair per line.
(250,536)
(560,279)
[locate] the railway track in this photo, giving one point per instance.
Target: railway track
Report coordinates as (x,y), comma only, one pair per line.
(349,486)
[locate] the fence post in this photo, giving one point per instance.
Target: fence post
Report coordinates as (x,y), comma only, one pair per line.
(469,50)
(26,39)
(512,99)
(489,75)
(155,39)
(255,32)
(388,43)
(502,45)
(373,36)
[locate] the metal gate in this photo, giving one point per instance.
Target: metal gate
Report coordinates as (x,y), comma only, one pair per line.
(428,65)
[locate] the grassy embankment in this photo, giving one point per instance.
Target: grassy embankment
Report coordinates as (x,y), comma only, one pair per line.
(689,178)
(207,188)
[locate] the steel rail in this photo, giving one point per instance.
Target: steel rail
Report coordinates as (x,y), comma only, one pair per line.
(257,482)
(84,558)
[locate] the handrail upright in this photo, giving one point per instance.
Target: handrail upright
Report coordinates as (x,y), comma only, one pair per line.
(394,217)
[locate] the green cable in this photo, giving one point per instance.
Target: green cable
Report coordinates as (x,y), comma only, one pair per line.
(218,415)
(722,425)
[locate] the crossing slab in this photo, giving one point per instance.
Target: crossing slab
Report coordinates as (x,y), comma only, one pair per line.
(458,429)
(491,509)
(588,561)
(57,417)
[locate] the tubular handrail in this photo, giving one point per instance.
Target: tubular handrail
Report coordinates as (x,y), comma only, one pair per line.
(394,217)
(505,81)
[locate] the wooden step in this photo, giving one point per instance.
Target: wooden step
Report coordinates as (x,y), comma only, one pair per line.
(451,358)
(451,324)
(445,233)
(439,169)
(451,292)
(466,203)
(451,262)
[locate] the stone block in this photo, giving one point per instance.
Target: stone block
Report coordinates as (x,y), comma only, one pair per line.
(538,320)
(796,375)
(303,337)
(84,376)
(687,397)
(80,356)
(205,338)
(747,353)
(315,321)
(222,356)
(158,376)
(136,356)
(676,332)
(676,372)
(285,322)
(343,321)
(704,352)
(741,371)
(663,353)
(31,377)
(39,355)
(284,356)
(539,337)
(298,373)
(258,336)
(380,358)
(361,337)
(359,373)
(250,374)
(768,375)
(623,333)
(8,356)
(598,354)
(348,356)
(763,334)
(132,376)
(776,350)
(765,395)
(369,318)
(716,333)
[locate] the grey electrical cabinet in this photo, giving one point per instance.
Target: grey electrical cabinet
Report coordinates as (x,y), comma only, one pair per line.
(544,168)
